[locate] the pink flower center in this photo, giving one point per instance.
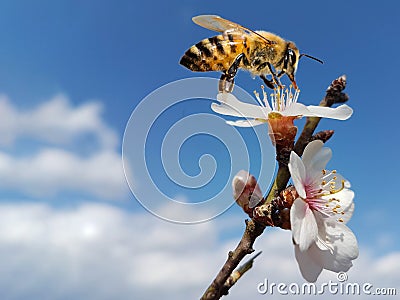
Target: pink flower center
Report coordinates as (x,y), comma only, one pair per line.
(317,191)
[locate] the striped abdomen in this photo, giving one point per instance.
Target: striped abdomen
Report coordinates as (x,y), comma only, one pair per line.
(212,54)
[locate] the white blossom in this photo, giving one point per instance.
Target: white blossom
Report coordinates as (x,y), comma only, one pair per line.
(318,216)
(282,102)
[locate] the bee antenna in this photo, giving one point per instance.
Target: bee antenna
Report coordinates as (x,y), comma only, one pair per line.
(312,57)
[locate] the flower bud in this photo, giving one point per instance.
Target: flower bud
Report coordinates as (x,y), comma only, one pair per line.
(246,191)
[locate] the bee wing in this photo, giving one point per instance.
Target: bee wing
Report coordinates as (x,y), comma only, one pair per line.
(216,23)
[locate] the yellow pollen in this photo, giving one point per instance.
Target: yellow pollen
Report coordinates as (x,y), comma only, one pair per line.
(323,182)
(342,212)
(333,171)
(324,172)
(340,220)
(333,191)
(338,206)
(334,177)
(327,205)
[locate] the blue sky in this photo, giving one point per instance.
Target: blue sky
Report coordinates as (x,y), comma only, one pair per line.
(72,72)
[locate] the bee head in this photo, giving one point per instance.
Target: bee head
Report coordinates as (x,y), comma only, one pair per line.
(291,60)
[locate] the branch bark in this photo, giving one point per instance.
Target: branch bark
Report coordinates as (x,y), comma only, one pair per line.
(237,274)
(245,246)
(220,285)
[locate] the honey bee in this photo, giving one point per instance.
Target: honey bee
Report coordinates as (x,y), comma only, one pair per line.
(259,52)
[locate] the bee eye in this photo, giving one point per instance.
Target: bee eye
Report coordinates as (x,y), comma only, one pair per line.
(292,56)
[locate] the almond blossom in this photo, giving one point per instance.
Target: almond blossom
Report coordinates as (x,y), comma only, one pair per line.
(318,216)
(283,103)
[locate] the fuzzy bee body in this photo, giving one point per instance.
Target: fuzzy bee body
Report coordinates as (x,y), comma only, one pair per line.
(219,52)
(259,52)
(213,54)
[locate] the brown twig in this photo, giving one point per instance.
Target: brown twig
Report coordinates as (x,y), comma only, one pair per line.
(245,246)
(220,286)
(238,273)
(323,135)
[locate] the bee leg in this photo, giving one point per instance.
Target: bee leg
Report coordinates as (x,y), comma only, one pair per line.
(268,83)
(291,77)
(226,82)
(274,77)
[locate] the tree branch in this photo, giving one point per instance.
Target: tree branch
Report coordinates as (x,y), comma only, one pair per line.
(245,246)
(221,285)
(237,274)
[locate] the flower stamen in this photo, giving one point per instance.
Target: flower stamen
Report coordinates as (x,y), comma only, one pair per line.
(333,191)
(257,95)
(282,98)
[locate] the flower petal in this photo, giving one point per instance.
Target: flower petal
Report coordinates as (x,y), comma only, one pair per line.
(230,105)
(342,112)
(297,109)
(224,109)
(345,199)
(246,123)
(298,173)
(348,213)
(315,158)
(336,177)
(343,239)
(310,150)
(344,248)
(309,269)
(303,223)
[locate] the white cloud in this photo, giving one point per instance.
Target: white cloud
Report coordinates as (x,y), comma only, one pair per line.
(55,121)
(98,252)
(52,171)
(101,252)
(54,166)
